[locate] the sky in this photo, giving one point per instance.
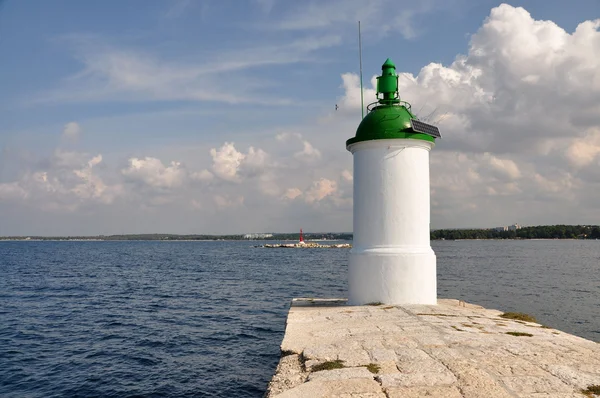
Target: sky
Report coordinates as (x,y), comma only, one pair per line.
(219,116)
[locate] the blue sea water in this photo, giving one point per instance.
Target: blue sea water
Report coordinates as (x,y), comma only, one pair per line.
(205,319)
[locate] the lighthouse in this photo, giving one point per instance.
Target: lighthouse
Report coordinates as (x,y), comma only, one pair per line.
(391,260)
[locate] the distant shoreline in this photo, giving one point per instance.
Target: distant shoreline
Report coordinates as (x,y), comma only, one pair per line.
(258,240)
(545,232)
(317,237)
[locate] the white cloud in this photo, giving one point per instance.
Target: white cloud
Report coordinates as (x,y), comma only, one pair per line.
(154,173)
(320,190)
(203,175)
(115,73)
(226,161)
(68,180)
(255,160)
(378,17)
(41,181)
(231,165)
(522,83)
(308,153)
(350,102)
(71,131)
(347,176)
(583,151)
(292,193)
(519,115)
(67,159)
(92,186)
(505,168)
(12,191)
(285,136)
(561,184)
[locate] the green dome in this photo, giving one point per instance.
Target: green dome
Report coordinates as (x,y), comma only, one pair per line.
(387,122)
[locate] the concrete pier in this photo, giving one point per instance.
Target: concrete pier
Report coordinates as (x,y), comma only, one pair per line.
(451,350)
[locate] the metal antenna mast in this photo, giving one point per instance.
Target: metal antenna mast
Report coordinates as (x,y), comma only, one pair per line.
(362,105)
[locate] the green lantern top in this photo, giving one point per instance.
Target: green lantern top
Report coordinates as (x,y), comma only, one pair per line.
(389,117)
(387,84)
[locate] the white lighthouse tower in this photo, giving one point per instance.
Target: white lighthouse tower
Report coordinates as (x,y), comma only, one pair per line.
(391,261)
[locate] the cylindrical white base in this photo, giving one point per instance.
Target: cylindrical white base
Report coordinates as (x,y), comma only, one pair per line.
(391,261)
(399,278)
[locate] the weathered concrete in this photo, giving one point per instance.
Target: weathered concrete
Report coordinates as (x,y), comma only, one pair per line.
(454,349)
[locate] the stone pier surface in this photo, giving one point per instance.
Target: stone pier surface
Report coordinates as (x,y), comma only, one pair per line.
(451,350)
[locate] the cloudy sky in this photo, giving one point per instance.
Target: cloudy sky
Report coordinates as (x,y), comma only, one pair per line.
(218,116)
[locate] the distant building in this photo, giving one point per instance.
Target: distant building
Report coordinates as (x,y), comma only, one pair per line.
(258,236)
(514,227)
(501,229)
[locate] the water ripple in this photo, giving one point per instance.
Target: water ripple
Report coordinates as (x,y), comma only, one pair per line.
(205,319)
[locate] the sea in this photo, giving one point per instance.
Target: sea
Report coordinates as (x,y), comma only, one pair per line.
(205,319)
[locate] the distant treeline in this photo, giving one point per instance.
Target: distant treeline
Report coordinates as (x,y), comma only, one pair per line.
(539,232)
(276,236)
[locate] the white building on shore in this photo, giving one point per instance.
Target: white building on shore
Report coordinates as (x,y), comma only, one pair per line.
(258,236)
(513,227)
